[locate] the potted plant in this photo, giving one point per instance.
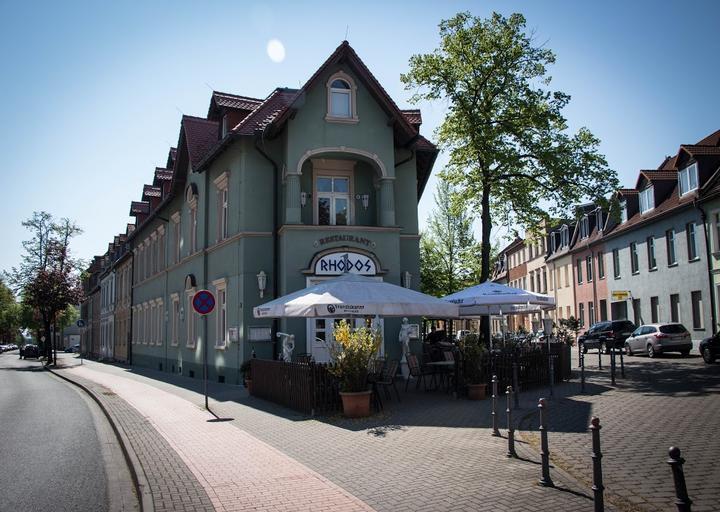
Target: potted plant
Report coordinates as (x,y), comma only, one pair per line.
(352,352)
(247,379)
(473,351)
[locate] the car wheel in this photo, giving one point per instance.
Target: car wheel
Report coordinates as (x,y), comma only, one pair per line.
(628,350)
(708,356)
(650,351)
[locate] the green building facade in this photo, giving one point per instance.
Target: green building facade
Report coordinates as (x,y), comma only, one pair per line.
(267,196)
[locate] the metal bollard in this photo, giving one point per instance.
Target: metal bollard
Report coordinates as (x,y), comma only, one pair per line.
(516,386)
(552,376)
(582,372)
(495,431)
(682,500)
(511,431)
(612,366)
(598,486)
(599,357)
(545,481)
(622,363)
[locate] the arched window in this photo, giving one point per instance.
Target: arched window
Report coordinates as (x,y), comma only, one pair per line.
(341,98)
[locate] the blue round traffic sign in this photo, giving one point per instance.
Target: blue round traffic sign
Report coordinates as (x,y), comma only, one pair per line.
(203,302)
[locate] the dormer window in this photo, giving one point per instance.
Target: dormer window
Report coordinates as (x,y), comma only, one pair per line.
(623,211)
(584,227)
(341,106)
(599,219)
(564,236)
(553,242)
(647,200)
(688,179)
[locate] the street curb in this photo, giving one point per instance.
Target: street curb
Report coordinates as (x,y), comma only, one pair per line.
(137,473)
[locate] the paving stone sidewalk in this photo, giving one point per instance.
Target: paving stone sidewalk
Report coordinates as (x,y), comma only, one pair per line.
(428,453)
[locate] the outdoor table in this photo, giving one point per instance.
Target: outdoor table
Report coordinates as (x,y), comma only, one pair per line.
(443,366)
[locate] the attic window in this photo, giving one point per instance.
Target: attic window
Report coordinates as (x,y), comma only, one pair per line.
(584,227)
(599,219)
(647,200)
(341,99)
(623,211)
(688,179)
(564,236)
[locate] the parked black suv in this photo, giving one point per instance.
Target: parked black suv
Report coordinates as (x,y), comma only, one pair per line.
(29,351)
(606,335)
(710,348)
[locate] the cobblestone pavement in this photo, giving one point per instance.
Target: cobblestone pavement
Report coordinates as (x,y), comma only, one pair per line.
(669,401)
(428,453)
(238,471)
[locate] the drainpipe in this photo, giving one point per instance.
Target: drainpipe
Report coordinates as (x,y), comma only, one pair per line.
(276,222)
(713,312)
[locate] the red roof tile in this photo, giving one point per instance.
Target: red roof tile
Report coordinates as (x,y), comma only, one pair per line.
(413,116)
(695,149)
(711,140)
(267,111)
(627,191)
(151,191)
(223,99)
(201,136)
(139,207)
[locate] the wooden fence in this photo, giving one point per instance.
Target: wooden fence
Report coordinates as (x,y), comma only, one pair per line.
(307,388)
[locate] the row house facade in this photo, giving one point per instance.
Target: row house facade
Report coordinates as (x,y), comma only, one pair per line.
(262,197)
(655,259)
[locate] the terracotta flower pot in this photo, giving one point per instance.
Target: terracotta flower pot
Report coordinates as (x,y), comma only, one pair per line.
(356,405)
(477,391)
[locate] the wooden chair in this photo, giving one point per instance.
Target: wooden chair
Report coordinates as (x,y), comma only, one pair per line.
(388,378)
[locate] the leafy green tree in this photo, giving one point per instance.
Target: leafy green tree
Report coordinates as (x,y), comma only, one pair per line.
(48,278)
(10,315)
(448,250)
(510,150)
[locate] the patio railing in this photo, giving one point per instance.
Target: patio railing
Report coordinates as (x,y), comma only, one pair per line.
(307,388)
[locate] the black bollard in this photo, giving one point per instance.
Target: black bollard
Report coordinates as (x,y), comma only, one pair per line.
(495,431)
(622,363)
(582,372)
(612,366)
(597,487)
(511,431)
(545,481)
(552,376)
(600,357)
(516,386)
(682,500)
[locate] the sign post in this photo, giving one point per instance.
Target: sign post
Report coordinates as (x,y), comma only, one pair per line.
(203,303)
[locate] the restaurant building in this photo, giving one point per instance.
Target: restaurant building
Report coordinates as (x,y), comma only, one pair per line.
(263,197)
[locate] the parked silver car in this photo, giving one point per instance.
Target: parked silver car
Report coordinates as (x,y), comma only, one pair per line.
(654,339)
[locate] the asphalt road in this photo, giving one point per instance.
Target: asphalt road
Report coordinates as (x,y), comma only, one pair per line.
(53,445)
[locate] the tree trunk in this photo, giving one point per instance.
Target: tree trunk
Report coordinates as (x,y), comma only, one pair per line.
(486,227)
(47,344)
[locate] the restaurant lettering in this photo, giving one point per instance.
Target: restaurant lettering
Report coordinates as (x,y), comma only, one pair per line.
(344,238)
(345,262)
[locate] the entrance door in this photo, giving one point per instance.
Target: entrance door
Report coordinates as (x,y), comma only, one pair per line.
(319,331)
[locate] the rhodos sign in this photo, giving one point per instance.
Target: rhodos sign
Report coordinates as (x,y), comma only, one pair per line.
(345,262)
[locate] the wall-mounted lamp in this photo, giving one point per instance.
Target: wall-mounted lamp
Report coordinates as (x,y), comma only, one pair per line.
(365,198)
(262,282)
(406,278)
(304,197)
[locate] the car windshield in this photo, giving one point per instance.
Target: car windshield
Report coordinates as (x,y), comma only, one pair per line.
(673,329)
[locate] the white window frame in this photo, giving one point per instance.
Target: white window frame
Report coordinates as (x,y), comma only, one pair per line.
(696,307)
(692,244)
(223,198)
(352,93)
(647,199)
(565,236)
(177,234)
(333,169)
(623,211)
(584,227)
(160,313)
(145,326)
(686,177)
(221,331)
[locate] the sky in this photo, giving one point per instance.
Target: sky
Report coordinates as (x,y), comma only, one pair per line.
(92,93)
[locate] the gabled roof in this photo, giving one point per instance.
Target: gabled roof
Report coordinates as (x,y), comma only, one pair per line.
(139,207)
(151,191)
(162,174)
(711,140)
(201,136)
(695,149)
(227,100)
(267,111)
(345,53)
(627,192)
(413,116)
(653,175)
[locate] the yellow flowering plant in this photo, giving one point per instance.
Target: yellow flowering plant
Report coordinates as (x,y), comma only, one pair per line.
(352,352)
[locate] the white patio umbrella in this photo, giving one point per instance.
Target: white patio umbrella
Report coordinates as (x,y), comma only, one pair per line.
(497,299)
(353,295)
